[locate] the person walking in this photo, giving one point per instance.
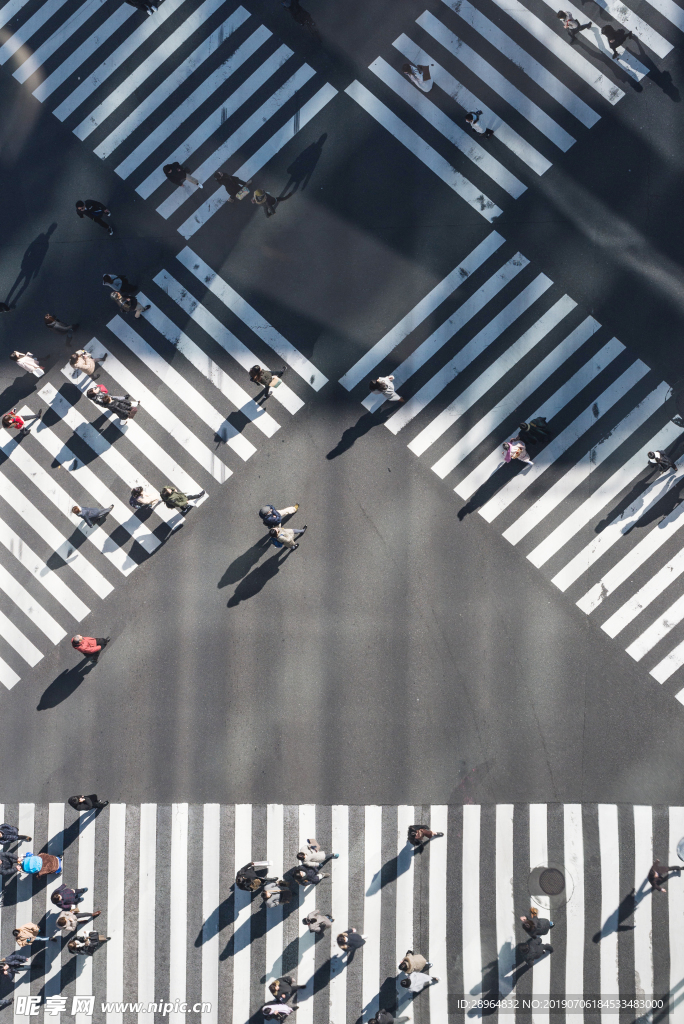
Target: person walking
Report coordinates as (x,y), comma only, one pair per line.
(178,174)
(120,283)
(305,875)
(265,199)
(142,498)
(277,1011)
(129,304)
(350,941)
(91,516)
(89,646)
(413,962)
(60,327)
(385,1017)
(41,864)
(283,989)
(272,516)
(285,538)
(248,878)
(473,122)
(260,375)
(275,896)
(16,961)
(659,874)
(87,803)
(28,361)
(82,360)
(70,921)
(12,420)
(311,853)
(419,835)
(417,981)
(535,950)
(419,75)
(571,25)
(177,501)
(25,934)
(124,406)
(87,945)
(662,460)
(535,925)
(9,866)
(385,386)
(96,211)
(10,834)
(535,430)
(515,449)
(66,898)
(235,187)
(317,922)
(615,38)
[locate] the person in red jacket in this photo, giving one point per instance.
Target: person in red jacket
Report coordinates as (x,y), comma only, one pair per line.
(13,419)
(89,646)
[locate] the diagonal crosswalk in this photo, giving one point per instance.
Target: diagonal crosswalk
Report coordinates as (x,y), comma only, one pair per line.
(180,933)
(197,422)
(488,349)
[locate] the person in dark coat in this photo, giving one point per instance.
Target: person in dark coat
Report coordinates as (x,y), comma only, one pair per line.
(615,38)
(536,925)
(178,174)
(96,211)
(283,989)
(249,880)
(86,803)
(16,961)
(87,945)
(659,874)
(10,834)
(260,375)
(385,1017)
(91,516)
(535,430)
(535,950)
(60,327)
(8,865)
(662,460)
(419,835)
(350,941)
(120,283)
(66,898)
(307,875)
(177,501)
(231,184)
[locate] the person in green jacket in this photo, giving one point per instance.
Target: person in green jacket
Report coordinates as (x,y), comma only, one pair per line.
(174,499)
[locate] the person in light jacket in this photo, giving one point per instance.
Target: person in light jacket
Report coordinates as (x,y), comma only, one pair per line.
(317,922)
(515,449)
(281,537)
(312,854)
(25,934)
(413,962)
(385,386)
(143,498)
(419,75)
(82,360)
(70,921)
(28,361)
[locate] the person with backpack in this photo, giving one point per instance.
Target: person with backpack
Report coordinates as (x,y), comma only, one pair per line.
(41,864)
(272,516)
(535,925)
(282,538)
(177,501)
(419,835)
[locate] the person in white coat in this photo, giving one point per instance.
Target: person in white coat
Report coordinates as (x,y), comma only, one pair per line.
(28,361)
(313,856)
(385,386)
(419,75)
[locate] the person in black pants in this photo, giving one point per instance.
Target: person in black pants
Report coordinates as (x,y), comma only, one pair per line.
(535,950)
(11,834)
(534,925)
(86,803)
(231,184)
(91,208)
(535,430)
(571,25)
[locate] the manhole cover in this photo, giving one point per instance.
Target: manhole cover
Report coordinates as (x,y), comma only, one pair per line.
(551,881)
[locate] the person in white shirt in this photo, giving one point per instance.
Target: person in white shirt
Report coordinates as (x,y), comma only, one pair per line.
(417,981)
(419,74)
(571,25)
(662,460)
(28,361)
(385,385)
(473,120)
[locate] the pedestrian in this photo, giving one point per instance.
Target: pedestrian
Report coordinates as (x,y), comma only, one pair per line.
(16,961)
(10,834)
(120,283)
(350,941)
(283,988)
(124,406)
(272,516)
(248,878)
(178,501)
(260,375)
(70,921)
(41,864)
(413,962)
(660,459)
(13,420)
(87,945)
(659,874)
(535,430)
(25,934)
(82,360)
(277,1011)
(129,304)
(89,646)
(274,896)
(419,835)
(417,981)
(285,538)
(178,174)
(385,386)
(311,853)
(266,200)
(317,921)
(149,6)
(515,449)
(9,865)
(91,516)
(96,211)
(572,25)
(535,950)
(615,38)
(235,187)
(28,361)
(142,498)
(87,803)
(419,74)
(309,876)
(473,121)
(66,898)
(60,327)
(535,925)
(385,1017)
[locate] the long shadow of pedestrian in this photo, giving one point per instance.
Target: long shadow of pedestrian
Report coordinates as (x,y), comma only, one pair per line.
(603,58)
(362,426)
(303,166)
(614,922)
(217,920)
(257,580)
(663,79)
(390,871)
(65,684)
(488,990)
(18,391)
(31,263)
(238,569)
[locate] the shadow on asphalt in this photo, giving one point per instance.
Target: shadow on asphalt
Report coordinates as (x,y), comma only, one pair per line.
(257,580)
(64,685)
(238,569)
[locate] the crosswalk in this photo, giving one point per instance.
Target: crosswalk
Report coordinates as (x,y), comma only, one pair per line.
(179,932)
(197,422)
(496,343)
(513,62)
(203,84)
